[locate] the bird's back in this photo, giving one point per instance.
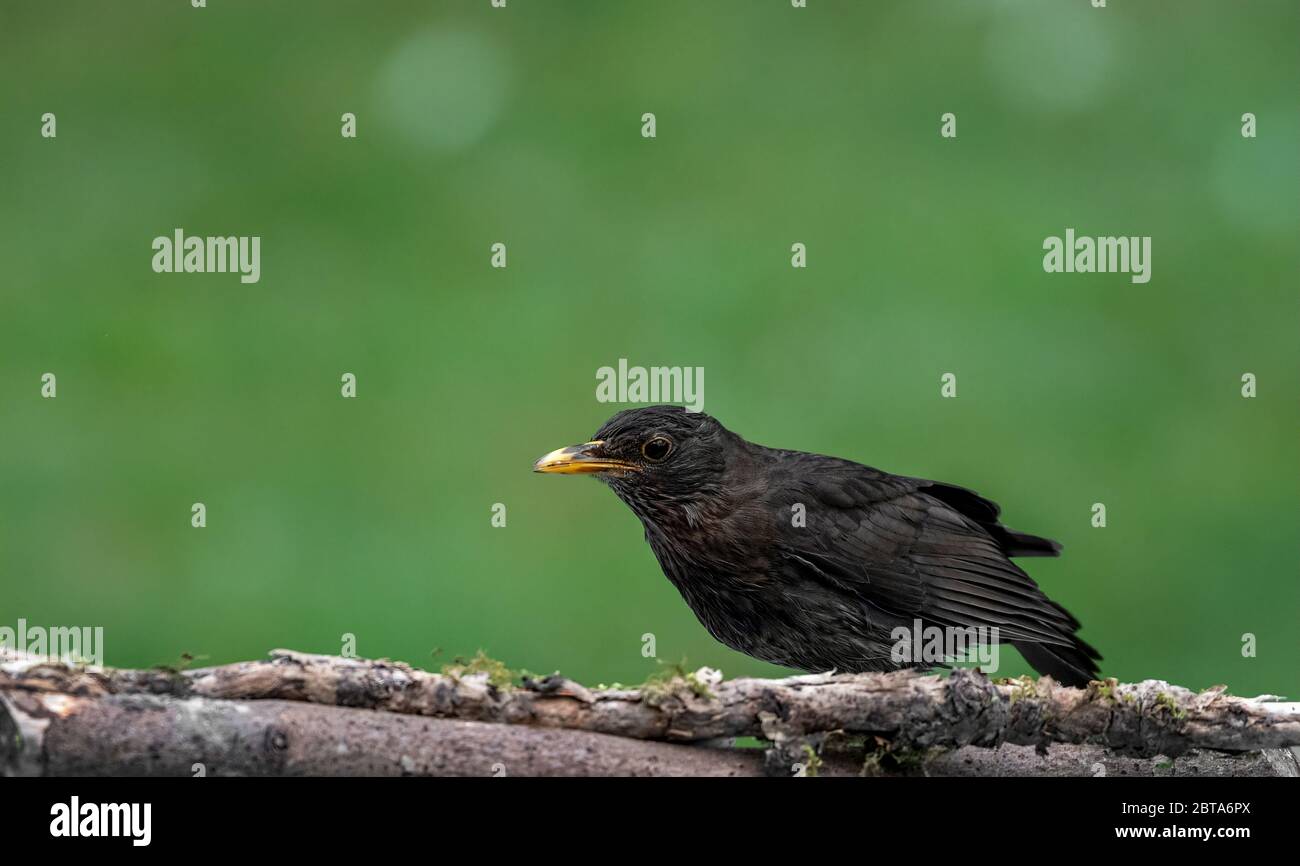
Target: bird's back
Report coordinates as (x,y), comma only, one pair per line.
(817,560)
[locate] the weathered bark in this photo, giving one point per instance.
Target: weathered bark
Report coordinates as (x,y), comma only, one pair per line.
(148,735)
(298,714)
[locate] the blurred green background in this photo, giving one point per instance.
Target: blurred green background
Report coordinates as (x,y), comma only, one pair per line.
(775,125)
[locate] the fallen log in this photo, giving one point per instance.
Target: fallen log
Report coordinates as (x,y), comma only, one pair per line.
(301,714)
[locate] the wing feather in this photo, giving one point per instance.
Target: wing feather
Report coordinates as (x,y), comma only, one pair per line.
(919,549)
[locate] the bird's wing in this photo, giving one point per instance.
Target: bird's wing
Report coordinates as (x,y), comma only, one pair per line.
(914,549)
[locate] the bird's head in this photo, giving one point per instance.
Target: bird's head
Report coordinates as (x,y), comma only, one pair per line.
(658,459)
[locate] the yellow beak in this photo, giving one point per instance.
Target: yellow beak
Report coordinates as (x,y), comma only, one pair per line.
(580,460)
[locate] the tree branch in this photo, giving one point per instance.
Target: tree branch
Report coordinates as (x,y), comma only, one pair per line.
(297,714)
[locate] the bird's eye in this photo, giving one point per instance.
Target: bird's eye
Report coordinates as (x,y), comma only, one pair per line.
(657,448)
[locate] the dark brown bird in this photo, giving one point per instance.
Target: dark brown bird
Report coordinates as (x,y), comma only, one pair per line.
(873,553)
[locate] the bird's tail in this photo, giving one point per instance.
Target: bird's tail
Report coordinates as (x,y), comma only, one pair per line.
(1072,665)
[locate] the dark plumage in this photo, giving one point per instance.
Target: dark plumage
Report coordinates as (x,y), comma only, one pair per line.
(878,551)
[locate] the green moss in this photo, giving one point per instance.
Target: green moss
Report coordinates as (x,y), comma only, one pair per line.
(670,678)
(814,760)
(845,743)
(498,675)
(1166,701)
(1022,688)
(887,758)
(1103,690)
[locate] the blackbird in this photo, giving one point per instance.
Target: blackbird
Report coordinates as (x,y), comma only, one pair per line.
(873,552)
